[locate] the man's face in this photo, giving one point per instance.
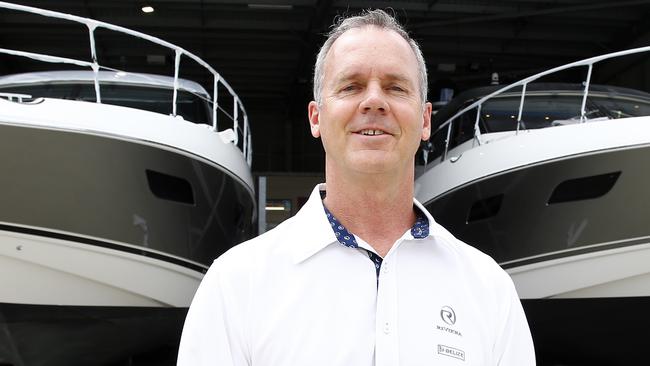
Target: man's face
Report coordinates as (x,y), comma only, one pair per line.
(371,118)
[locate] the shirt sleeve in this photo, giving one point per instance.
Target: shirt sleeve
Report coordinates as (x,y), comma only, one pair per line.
(214,327)
(514,345)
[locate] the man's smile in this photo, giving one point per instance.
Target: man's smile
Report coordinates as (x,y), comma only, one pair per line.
(371,132)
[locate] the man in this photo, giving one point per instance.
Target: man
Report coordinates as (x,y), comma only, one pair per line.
(362,275)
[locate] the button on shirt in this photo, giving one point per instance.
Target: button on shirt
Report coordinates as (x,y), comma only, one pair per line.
(296,296)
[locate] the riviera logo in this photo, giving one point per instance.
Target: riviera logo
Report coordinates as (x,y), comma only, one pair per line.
(448,315)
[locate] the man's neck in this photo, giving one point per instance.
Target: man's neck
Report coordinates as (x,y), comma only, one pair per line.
(377,209)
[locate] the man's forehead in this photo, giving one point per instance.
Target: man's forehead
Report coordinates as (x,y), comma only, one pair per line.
(354,41)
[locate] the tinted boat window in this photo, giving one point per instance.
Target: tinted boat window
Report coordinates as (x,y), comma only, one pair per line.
(541,111)
(500,114)
(191,107)
(623,107)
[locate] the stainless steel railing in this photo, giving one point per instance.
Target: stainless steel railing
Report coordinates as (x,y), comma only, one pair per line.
(242,135)
(589,62)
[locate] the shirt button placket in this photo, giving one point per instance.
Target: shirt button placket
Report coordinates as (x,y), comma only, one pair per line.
(386,352)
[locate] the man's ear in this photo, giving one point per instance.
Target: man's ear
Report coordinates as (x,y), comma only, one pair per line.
(426,121)
(314,118)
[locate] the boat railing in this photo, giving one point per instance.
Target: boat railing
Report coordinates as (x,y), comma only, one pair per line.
(236,112)
(445,129)
(20,98)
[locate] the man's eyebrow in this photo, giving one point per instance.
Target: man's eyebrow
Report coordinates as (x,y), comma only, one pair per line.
(346,76)
(398,77)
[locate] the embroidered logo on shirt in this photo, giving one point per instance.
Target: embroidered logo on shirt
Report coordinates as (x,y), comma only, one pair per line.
(451,352)
(449,330)
(448,315)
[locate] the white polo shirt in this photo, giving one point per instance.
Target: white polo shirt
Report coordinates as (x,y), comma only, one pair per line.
(296,296)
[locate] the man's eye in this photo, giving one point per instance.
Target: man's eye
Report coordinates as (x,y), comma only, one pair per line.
(397,88)
(350,87)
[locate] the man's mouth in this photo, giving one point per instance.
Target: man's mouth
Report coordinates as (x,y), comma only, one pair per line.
(371,132)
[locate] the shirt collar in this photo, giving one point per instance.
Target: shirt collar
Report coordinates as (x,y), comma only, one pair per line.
(419,230)
(341,232)
(312,228)
(317,231)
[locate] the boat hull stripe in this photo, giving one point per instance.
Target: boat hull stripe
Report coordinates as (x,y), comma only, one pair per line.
(574,252)
(104,244)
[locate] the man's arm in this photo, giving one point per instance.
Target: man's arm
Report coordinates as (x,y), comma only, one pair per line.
(212,334)
(514,346)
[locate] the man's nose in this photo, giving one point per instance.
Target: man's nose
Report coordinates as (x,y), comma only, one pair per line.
(374,100)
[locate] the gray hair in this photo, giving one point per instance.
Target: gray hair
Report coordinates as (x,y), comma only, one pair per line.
(377,18)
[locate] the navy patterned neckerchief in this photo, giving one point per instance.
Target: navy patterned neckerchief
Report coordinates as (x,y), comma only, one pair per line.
(419,230)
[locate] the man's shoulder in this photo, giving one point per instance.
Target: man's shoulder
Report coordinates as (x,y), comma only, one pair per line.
(272,247)
(290,241)
(471,258)
(456,248)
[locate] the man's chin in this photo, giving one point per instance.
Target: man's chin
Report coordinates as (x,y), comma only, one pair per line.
(367,162)
(377,164)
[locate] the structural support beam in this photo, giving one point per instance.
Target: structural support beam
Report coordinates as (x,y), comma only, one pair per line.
(532,13)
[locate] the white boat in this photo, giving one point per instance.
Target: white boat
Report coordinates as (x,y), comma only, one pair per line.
(117,192)
(551,179)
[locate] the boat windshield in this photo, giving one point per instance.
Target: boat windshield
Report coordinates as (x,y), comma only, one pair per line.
(554,109)
(190,106)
